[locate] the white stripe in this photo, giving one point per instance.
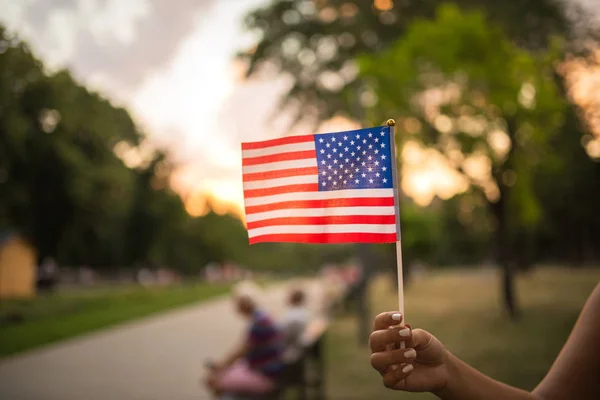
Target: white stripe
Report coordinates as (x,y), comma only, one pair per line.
(292,180)
(333,194)
(283,148)
(321,212)
(275,166)
(342,228)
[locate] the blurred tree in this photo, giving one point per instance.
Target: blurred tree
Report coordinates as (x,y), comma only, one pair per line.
(56,159)
(315,42)
(490,108)
(64,184)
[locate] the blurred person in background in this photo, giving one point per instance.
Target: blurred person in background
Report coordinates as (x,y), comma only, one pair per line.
(251,369)
(425,365)
(293,325)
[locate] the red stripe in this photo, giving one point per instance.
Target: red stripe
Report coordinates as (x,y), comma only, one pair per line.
(338,220)
(292,155)
(304,187)
(326,203)
(277,142)
(326,238)
(280,173)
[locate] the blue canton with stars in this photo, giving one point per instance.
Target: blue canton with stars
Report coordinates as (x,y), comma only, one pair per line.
(358,159)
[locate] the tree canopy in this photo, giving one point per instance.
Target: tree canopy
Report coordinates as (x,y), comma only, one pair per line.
(316,42)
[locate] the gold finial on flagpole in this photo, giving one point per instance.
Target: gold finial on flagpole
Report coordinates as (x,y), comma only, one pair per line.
(390,122)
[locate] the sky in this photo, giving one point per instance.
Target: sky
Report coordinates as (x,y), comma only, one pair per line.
(172,64)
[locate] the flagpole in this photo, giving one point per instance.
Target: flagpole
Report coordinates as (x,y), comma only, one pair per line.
(391,124)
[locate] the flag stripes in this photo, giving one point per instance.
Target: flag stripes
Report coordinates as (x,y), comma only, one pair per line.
(284,203)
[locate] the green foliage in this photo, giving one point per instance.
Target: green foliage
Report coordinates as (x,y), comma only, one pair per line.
(310,41)
(64,187)
(464,83)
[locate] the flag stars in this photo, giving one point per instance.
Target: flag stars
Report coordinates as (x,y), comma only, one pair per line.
(360,160)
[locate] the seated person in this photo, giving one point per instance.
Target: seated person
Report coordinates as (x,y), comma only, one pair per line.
(253,367)
(293,325)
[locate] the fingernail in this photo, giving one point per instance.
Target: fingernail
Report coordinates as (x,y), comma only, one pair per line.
(404,332)
(397,317)
(410,353)
(407,368)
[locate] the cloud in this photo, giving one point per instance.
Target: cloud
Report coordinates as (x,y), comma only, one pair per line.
(114,41)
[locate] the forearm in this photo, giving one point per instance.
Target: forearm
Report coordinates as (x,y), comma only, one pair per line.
(466,383)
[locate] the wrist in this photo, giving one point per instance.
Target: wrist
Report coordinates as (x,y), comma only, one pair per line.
(453,380)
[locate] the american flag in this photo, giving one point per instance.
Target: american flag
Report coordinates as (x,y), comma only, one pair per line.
(322,188)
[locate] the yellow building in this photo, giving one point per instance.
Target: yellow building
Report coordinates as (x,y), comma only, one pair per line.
(17,267)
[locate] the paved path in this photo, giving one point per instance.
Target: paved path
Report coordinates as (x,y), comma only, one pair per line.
(159,357)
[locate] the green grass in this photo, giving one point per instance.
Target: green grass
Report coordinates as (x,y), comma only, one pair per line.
(47,319)
(463,309)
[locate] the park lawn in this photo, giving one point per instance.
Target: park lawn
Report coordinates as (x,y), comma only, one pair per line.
(72,312)
(463,310)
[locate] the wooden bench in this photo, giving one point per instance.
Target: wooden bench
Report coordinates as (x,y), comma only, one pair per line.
(305,377)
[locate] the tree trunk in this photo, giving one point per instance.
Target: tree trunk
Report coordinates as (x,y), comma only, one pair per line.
(503,256)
